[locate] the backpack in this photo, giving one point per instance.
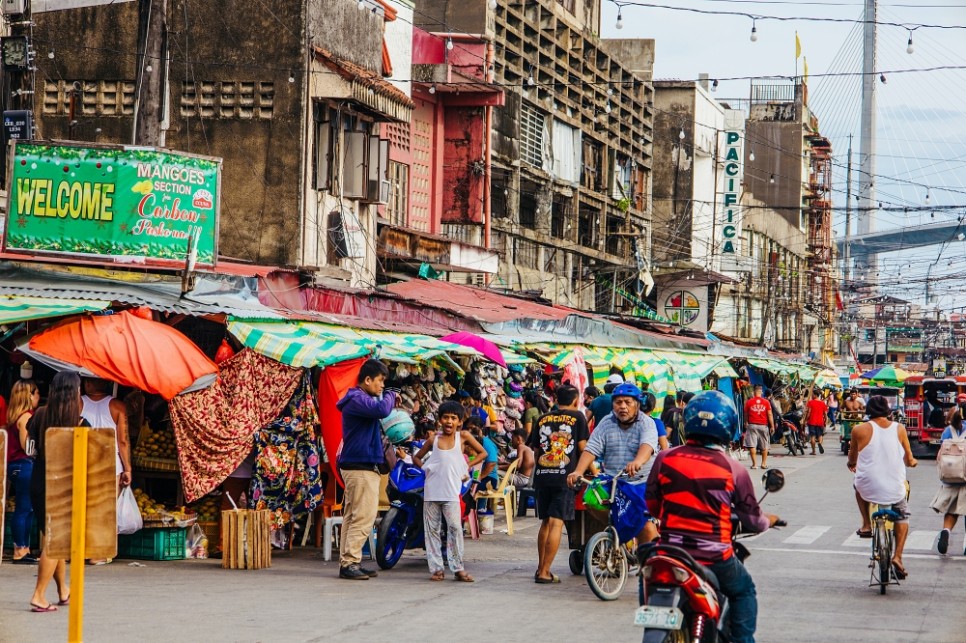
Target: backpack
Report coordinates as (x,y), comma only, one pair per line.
(951,459)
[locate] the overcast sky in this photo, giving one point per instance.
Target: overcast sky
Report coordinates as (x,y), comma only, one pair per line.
(922,115)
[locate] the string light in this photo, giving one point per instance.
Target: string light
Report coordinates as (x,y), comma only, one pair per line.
(714,85)
(492,4)
(432,89)
(620,19)
(681,134)
(607,107)
(909,48)
(449,44)
(751,156)
(754,31)
(530,81)
(291,77)
(771,179)
(882,79)
(50,54)
(362,5)
(927,198)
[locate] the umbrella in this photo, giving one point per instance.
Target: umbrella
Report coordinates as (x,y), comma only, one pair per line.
(489,350)
(870,374)
(126,349)
(889,375)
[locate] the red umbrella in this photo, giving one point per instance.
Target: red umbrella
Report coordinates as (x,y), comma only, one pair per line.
(126,349)
(489,350)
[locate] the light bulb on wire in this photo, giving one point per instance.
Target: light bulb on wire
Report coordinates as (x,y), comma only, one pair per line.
(50,54)
(754,31)
(530,81)
(771,179)
(909,48)
(607,107)
(449,44)
(432,89)
(751,156)
(927,198)
(620,19)
(362,5)
(681,134)
(714,85)
(492,4)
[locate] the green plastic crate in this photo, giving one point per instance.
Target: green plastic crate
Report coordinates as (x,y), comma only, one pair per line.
(167,543)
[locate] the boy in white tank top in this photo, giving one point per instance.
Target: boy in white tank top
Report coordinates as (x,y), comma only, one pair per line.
(878,455)
(445,472)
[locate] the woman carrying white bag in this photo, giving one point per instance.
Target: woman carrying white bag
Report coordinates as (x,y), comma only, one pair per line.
(950,500)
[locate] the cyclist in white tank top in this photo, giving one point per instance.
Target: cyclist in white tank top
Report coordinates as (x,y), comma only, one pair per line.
(878,455)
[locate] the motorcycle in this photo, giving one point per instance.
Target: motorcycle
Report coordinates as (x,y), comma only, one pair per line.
(679,597)
(792,430)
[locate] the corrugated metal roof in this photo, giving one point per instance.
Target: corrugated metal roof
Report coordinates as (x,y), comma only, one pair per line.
(475,303)
(212,295)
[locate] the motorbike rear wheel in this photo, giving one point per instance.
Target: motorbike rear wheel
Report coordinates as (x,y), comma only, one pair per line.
(391,538)
(605,566)
(665,636)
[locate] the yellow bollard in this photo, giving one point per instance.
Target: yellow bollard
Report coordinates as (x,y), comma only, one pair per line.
(75,627)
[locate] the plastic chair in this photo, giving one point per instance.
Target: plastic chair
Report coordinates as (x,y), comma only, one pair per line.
(333,527)
(505,491)
(331,504)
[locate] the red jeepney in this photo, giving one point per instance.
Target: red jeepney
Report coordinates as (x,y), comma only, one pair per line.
(927,401)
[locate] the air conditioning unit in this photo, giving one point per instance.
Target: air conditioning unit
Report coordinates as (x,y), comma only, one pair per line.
(13,7)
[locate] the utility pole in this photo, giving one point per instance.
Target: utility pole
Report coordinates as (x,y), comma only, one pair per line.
(151,76)
(847,269)
(870,78)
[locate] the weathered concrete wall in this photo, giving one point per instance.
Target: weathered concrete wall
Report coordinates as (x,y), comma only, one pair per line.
(340,27)
(452,16)
(778,153)
(673,178)
(636,54)
(106,30)
(228,44)
(463,167)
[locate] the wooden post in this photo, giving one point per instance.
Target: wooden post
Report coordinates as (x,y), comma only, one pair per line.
(75,623)
(246,539)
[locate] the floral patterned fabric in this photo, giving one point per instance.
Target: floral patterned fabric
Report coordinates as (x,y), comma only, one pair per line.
(285,478)
(214,428)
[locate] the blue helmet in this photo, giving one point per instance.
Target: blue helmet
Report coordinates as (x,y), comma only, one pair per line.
(626,390)
(710,414)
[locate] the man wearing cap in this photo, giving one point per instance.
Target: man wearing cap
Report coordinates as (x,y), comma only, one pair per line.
(879,453)
(625,440)
(602,405)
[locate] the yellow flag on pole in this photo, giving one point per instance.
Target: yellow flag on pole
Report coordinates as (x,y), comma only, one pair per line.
(798,46)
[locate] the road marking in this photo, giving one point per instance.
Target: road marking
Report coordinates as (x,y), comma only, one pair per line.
(922,539)
(854,541)
(806,535)
(834,552)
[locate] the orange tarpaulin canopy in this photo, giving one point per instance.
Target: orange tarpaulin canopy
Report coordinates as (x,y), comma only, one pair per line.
(128,350)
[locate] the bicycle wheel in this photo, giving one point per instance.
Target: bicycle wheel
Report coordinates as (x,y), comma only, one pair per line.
(884,547)
(605,566)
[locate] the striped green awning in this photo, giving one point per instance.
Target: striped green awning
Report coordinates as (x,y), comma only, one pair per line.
(296,344)
(690,368)
(17,308)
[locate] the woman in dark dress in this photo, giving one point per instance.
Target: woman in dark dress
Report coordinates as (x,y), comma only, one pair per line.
(63,408)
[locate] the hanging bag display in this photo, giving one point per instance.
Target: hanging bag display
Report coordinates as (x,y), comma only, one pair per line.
(128,515)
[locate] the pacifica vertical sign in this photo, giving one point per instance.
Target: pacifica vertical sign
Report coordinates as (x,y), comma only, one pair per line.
(730,214)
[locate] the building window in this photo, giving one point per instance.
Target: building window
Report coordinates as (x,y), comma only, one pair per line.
(525,253)
(558,219)
(398,204)
(246,100)
(324,118)
(588,224)
(614,241)
(870,334)
(93,98)
(532,126)
(528,209)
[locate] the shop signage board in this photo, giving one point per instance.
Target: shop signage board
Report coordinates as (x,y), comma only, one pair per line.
(730,210)
(120,203)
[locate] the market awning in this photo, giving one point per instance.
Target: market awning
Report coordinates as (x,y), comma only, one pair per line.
(295,344)
(690,368)
(17,308)
(828,379)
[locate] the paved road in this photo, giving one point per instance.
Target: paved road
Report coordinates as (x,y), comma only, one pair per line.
(812,579)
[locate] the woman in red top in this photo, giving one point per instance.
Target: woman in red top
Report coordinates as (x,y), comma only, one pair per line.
(24,398)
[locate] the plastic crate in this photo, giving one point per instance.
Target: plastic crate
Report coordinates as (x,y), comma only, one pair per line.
(153,544)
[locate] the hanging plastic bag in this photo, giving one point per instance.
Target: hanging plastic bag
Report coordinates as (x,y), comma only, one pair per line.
(128,515)
(196,543)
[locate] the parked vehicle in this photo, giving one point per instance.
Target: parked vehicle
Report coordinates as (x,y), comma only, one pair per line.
(848,419)
(928,400)
(793,432)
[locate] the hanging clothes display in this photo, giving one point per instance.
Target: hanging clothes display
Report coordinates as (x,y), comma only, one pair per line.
(214,427)
(285,478)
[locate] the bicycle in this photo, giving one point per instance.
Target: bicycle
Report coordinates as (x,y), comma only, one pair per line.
(607,560)
(883,545)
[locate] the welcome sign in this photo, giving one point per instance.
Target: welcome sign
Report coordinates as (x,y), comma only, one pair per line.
(121,203)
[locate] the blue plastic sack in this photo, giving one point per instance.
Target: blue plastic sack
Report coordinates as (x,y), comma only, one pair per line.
(628,510)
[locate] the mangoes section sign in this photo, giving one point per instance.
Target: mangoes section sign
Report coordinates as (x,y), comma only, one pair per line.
(122,203)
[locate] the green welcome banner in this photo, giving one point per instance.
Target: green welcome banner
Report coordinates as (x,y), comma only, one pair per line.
(126,204)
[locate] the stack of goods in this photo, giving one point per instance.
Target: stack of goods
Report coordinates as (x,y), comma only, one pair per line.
(156,450)
(421,388)
(209,516)
(155,515)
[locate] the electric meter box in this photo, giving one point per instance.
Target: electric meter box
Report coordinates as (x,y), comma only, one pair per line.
(14,7)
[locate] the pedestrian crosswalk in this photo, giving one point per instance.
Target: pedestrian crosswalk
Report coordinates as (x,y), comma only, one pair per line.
(918,539)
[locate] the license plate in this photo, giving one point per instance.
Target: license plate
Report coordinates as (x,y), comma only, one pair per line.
(659,618)
(935,442)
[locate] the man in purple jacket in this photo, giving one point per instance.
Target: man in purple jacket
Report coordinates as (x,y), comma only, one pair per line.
(362,453)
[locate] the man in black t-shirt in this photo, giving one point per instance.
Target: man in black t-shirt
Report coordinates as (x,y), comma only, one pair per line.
(557,441)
